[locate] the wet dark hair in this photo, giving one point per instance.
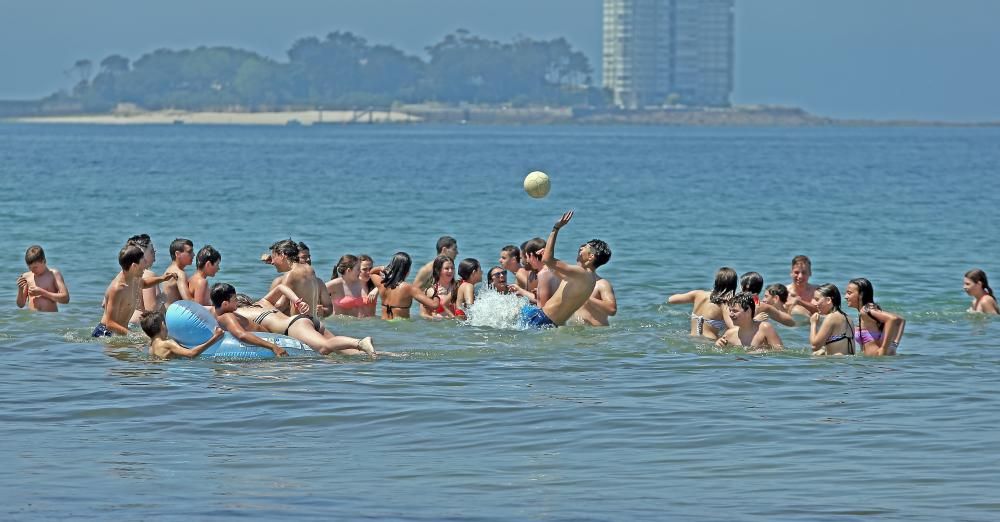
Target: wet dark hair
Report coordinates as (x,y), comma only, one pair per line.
(445,242)
(602,252)
(34,254)
(206,254)
(467,267)
(512,251)
(346,262)
(245,300)
(130,254)
(489,276)
(222,292)
(725,286)
(866,293)
(287,248)
(866,299)
(304,249)
(531,246)
(142,241)
(439,262)
(830,290)
(779,290)
(397,270)
(745,301)
(177,245)
(752,282)
(978,276)
(152,322)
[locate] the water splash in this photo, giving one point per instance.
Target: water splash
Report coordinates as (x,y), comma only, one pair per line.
(496,310)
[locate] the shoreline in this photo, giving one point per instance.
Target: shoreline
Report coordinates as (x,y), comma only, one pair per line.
(747,116)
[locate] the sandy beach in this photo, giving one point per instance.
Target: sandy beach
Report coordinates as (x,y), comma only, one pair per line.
(229,118)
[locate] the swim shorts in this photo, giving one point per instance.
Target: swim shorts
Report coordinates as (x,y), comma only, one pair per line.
(534,317)
(101,331)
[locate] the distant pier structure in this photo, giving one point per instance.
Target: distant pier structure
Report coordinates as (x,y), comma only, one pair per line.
(659,52)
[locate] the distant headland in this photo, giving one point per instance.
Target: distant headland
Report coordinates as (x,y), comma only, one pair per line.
(343,79)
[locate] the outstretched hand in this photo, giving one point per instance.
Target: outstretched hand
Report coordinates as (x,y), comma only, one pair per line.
(563,221)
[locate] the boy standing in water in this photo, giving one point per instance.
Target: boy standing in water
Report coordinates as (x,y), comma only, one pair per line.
(601,305)
(181,256)
(800,292)
(125,292)
(40,287)
(773,305)
(446,246)
(745,331)
(531,260)
(163,347)
(577,281)
(208,265)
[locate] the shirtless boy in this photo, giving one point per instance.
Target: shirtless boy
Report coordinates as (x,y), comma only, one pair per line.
(150,294)
(181,256)
(207,261)
(772,306)
(125,291)
(224,301)
(510,260)
(800,292)
(446,246)
(745,331)
(163,347)
(301,278)
(531,260)
(577,281)
(601,305)
(40,287)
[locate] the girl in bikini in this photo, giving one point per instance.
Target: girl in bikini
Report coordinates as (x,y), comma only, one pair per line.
(836,335)
(347,291)
(983,299)
(398,295)
(309,331)
(707,314)
(878,331)
(470,273)
(443,286)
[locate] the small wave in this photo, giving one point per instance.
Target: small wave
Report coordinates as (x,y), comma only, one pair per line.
(496,310)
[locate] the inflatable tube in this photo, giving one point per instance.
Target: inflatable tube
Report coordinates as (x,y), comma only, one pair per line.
(191,324)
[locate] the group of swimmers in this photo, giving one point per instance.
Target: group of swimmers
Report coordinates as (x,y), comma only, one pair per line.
(557,292)
(743,318)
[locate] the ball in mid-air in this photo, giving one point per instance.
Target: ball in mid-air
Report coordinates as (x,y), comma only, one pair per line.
(537,184)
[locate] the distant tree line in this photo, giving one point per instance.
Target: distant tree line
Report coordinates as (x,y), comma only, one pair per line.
(342,70)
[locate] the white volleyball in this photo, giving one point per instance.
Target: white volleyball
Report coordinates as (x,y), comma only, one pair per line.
(537,184)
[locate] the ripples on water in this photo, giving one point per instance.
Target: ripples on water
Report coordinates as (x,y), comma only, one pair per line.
(484,420)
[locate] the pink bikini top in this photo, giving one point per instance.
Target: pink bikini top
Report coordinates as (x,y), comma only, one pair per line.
(351,302)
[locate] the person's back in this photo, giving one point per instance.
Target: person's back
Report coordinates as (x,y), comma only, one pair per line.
(181,256)
(207,262)
(303,281)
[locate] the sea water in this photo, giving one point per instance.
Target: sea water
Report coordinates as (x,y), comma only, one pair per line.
(483,420)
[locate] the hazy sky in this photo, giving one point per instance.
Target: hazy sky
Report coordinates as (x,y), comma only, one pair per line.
(931,59)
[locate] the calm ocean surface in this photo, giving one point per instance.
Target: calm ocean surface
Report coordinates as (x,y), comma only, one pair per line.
(637,421)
